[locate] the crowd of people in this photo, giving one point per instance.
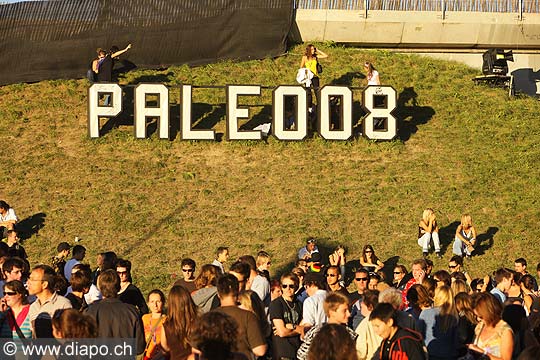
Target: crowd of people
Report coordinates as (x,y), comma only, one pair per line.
(240,311)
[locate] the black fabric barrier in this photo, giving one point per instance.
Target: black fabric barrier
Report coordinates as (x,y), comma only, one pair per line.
(58,39)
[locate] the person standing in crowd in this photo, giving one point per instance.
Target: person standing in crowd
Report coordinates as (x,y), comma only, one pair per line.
(312,310)
(372,75)
(530,298)
(59,260)
(401,277)
(466,323)
(114,318)
(369,260)
(188,275)
(361,280)
(455,266)
(71,324)
(310,61)
(41,284)
(285,315)
(503,278)
(206,291)
(14,312)
(520,266)
(15,248)
(439,326)
(368,341)
(257,282)
(153,324)
(263,264)
(80,285)
(333,280)
(214,337)
(8,218)
(105,260)
(418,270)
(250,339)
(222,255)
(12,269)
(336,308)
(77,255)
(177,327)
(91,294)
(465,239)
(402,319)
(429,230)
(493,336)
(332,343)
(129,293)
(398,342)
(419,300)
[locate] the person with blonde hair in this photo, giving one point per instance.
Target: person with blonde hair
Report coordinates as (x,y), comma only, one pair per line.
(439,325)
(493,336)
(337,258)
(465,239)
(428,230)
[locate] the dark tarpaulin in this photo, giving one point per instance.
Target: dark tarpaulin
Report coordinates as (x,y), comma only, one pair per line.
(58,39)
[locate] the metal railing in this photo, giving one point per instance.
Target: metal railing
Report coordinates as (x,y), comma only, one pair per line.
(496,6)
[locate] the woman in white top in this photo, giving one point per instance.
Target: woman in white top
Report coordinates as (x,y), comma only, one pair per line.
(372,74)
(465,239)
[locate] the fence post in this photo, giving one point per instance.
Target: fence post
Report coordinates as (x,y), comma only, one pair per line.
(520,9)
(366,5)
(443,9)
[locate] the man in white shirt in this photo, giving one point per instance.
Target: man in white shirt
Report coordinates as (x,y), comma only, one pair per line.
(78,253)
(313,311)
(222,255)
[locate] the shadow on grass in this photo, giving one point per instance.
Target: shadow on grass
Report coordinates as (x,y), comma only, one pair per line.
(157,78)
(347,78)
(446,236)
(485,241)
(125,118)
(30,226)
(409,114)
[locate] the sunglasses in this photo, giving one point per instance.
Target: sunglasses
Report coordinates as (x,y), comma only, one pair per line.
(10,293)
(285,286)
(361,279)
(331,275)
(187,270)
(368,251)
(452,266)
(121,272)
(398,272)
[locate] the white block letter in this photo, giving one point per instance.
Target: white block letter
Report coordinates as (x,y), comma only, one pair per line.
(345,115)
(186,132)
(161,111)
(380,101)
(113,93)
(234,113)
(299,113)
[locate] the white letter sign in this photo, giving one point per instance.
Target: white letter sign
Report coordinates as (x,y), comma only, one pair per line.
(327,114)
(234,113)
(112,97)
(380,101)
(187,132)
(142,111)
(299,113)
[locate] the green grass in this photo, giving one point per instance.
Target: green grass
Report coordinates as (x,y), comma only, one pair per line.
(469,149)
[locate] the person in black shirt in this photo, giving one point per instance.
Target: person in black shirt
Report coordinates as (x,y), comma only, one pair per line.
(398,343)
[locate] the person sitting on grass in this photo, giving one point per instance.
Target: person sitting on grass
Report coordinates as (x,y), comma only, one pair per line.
(465,239)
(8,218)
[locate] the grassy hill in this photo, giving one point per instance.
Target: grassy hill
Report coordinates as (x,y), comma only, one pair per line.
(462,148)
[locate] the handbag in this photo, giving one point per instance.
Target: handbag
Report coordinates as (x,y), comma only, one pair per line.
(160,355)
(319,68)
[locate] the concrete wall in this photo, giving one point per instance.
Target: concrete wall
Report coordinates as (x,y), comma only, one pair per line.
(459,36)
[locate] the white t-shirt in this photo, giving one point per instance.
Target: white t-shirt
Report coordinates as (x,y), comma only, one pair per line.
(10,215)
(373,79)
